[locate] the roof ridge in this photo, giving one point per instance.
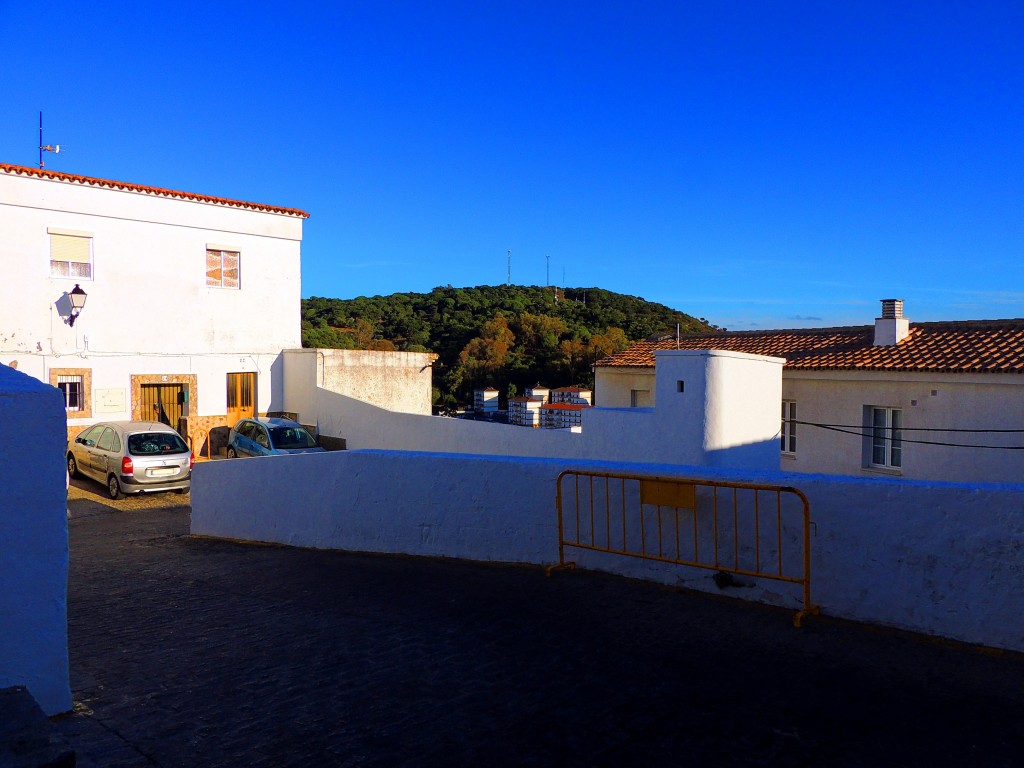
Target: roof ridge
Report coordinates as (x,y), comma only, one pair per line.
(43,173)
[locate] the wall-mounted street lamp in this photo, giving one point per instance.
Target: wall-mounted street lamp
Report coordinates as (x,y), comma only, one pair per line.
(77,297)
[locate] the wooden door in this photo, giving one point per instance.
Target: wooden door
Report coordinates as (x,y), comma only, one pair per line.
(241,396)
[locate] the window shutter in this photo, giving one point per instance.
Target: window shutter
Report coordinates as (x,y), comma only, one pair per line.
(69,248)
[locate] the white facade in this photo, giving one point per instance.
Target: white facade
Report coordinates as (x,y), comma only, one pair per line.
(485,400)
(151,315)
(575,395)
(932,405)
(524,411)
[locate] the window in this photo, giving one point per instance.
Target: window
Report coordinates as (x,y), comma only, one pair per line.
(75,384)
(108,441)
(639,398)
(222,268)
(70,254)
(886,435)
(71,387)
(788,431)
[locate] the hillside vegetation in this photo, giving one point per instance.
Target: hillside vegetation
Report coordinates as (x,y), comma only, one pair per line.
(508,337)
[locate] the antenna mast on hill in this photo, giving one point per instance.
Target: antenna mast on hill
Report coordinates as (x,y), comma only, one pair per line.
(508,281)
(548,257)
(45,148)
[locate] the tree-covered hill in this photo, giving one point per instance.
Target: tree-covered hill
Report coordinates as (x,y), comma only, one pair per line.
(509,337)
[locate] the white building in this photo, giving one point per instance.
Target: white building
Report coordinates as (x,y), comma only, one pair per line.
(538,392)
(935,401)
(485,400)
(577,395)
(524,411)
(562,415)
(190,298)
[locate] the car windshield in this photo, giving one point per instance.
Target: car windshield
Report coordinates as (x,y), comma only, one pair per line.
(154,443)
(287,438)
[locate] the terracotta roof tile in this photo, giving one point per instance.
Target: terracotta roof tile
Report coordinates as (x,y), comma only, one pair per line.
(20,170)
(965,346)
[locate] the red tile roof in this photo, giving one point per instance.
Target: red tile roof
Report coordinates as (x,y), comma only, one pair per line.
(966,346)
(564,407)
(20,170)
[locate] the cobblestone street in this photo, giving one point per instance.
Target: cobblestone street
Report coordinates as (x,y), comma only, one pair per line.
(194,652)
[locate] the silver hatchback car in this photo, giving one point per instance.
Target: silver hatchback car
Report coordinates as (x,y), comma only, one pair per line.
(132,457)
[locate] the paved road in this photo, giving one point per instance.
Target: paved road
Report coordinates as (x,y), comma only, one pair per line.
(192,652)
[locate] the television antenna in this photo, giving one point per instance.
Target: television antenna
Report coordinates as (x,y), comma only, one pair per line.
(509,279)
(55,148)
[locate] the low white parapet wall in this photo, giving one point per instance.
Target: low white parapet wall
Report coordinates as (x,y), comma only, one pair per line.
(942,559)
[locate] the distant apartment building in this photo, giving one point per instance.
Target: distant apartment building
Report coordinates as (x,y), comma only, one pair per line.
(576,395)
(538,392)
(524,411)
(485,400)
(562,415)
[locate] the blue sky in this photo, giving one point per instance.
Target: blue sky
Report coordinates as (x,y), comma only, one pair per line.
(760,164)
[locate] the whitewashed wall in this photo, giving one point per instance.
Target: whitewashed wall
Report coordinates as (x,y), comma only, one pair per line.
(148,293)
(727,415)
(942,559)
(33,541)
(149,310)
(397,381)
(960,401)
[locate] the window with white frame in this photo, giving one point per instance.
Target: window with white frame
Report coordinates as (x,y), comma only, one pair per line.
(788,431)
(223,268)
(886,435)
(70,254)
(72,389)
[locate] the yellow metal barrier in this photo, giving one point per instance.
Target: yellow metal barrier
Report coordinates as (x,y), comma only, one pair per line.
(746,529)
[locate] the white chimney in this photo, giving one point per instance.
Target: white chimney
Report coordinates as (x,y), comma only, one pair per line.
(892,327)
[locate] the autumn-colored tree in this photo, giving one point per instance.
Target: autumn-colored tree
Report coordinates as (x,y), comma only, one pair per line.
(382,345)
(572,355)
(602,345)
(490,349)
(362,332)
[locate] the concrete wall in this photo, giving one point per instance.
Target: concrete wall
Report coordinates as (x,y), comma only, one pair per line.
(33,541)
(942,559)
(696,426)
(398,381)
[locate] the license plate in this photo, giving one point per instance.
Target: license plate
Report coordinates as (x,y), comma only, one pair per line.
(161,472)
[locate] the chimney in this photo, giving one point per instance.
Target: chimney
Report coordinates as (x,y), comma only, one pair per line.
(892,327)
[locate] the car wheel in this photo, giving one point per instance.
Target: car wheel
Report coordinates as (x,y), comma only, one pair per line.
(72,466)
(113,487)
(231,453)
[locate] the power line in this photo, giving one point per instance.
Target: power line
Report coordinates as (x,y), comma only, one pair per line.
(861,433)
